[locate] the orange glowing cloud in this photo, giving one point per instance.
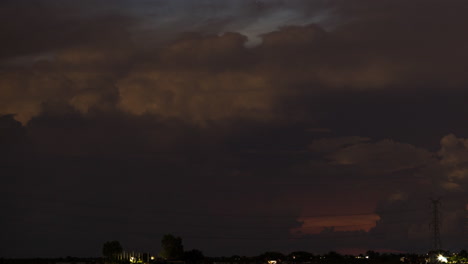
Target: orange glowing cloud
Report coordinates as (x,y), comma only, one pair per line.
(315,225)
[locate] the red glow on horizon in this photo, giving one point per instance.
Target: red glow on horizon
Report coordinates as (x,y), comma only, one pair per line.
(358,251)
(316,225)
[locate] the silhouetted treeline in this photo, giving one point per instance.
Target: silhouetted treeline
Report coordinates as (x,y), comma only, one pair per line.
(67,260)
(298,257)
(302,257)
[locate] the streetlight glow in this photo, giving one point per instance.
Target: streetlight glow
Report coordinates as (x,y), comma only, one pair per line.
(442,258)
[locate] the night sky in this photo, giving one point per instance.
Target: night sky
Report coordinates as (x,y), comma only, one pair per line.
(240,125)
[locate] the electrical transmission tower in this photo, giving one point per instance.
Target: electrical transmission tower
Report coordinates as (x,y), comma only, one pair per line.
(437,245)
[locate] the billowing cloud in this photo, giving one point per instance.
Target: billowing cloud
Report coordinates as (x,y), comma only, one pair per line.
(332,144)
(454,151)
(210,105)
(384,156)
(211,74)
(23,92)
(407,176)
(198,79)
(454,159)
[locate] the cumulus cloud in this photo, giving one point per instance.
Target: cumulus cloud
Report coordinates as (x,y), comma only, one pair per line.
(384,156)
(333,144)
(402,208)
(196,97)
(454,151)
(454,161)
(159,71)
(110,60)
(406,177)
(398,196)
(445,169)
(23,92)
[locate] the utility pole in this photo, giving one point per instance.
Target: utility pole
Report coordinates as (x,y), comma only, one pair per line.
(435,224)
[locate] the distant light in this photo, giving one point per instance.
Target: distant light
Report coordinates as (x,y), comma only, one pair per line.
(272,262)
(132,259)
(152,257)
(442,258)
(367,257)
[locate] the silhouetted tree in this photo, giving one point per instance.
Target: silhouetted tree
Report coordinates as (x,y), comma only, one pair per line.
(111,249)
(372,254)
(461,257)
(193,256)
(333,257)
(171,247)
(300,256)
(272,255)
(463,253)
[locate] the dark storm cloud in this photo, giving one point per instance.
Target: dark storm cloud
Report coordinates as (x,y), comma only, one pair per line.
(356,55)
(40,28)
(200,117)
